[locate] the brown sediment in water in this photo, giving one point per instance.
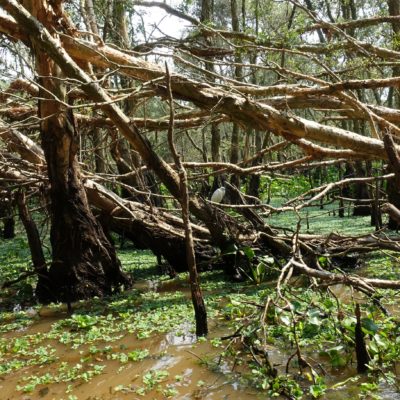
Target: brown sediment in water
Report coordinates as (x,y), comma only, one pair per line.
(179,355)
(171,285)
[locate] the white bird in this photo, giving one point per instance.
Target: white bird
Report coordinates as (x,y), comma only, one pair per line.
(218,195)
(17,308)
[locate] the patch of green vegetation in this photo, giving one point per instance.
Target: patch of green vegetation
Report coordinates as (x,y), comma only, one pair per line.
(289,188)
(66,373)
(314,328)
(382,265)
(321,325)
(24,351)
(320,221)
(140,263)
(11,321)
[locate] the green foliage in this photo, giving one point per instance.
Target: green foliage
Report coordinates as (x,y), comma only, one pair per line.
(138,355)
(320,221)
(337,356)
(383,265)
(66,373)
(318,389)
(259,269)
(290,188)
(255,267)
(322,326)
(153,377)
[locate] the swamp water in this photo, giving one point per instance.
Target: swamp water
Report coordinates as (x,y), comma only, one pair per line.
(140,345)
(172,370)
(79,364)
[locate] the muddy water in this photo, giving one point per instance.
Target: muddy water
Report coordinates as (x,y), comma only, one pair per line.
(179,355)
(164,286)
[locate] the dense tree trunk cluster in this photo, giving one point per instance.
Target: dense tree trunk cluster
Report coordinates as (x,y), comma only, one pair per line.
(258,93)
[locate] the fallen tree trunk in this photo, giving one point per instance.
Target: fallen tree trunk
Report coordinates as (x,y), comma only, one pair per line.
(246,112)
(346,279)
(394,212)
(145,226)
(148,229)
(163,232)
(222,227)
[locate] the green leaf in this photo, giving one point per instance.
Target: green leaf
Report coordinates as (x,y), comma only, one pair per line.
(310,330)
(295,305)
(138,355)
(317,390)
(249,252)
(268,260)
(369,325)
(260,272)
(379,341)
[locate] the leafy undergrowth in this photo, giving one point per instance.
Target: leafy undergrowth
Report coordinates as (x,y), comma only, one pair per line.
(42,348)
(15,260)
(314,330)
(131,344)
(382,264)
(321,221)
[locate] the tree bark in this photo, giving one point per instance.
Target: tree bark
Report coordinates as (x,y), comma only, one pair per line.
(363,358)
(197,296)
(361,193)
(35,244)
(35,247)
(207,17)
(95,133)
(393,189)
(255,179)
(234,151)
(6,214)
(84,263)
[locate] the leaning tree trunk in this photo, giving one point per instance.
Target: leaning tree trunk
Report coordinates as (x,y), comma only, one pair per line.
(394,101)
(35,246)
(393,189)
(234,151)
(84,263)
